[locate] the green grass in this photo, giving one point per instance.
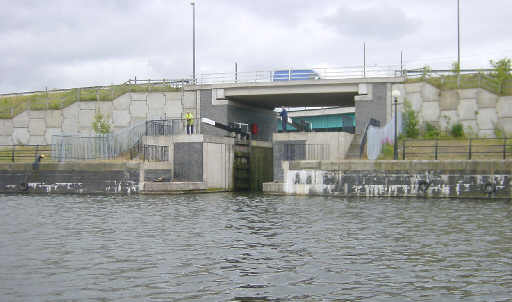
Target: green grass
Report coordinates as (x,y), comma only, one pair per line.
(466,81)
(11,106)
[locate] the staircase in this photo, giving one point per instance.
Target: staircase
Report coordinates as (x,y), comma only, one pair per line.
(354,150)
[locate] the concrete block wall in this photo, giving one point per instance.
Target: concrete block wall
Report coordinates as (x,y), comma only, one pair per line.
(478,110)
(37,127)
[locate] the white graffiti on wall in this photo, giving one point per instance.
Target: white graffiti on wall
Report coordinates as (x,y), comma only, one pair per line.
(391,184)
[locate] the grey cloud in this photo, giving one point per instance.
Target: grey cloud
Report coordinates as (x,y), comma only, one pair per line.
(377,22)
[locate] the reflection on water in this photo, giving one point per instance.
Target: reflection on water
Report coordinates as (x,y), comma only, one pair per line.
(228,247)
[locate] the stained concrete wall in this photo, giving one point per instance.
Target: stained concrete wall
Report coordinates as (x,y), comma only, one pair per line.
(70,177)
(37,127)
(472,179)
(478,110)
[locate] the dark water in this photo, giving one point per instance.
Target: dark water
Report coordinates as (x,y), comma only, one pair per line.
(226,247)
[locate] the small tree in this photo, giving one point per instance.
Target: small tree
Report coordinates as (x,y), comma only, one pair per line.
(457,130)
(411,122)
(431,131)
(456,67)
(502,71)
(425,72)
(100,124)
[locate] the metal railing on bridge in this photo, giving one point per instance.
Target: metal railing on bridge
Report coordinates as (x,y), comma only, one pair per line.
(291,74)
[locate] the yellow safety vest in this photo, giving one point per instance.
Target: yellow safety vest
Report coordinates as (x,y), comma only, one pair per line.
(190,118)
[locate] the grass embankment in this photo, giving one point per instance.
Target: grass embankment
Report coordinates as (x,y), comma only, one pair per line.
(449,149)
(13,105)
(466,81)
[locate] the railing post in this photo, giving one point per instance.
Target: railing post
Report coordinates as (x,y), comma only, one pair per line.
(436,150)
(469,155)
(505,148)
(47,98)
(12,155)
(403,150)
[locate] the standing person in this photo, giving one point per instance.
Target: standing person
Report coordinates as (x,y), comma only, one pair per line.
(190,122)
(284,118)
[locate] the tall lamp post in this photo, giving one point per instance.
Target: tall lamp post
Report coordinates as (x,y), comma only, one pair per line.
(193,3)
(396,95)
(458,34)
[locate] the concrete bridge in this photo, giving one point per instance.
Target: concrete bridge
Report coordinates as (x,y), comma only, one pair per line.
(254,102)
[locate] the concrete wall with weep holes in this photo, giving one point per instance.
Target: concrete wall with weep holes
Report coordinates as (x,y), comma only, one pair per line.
(37,127)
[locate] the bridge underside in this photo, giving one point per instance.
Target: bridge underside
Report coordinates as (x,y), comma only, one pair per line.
(345,99)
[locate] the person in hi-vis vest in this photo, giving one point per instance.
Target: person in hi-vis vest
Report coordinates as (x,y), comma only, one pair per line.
(190,122)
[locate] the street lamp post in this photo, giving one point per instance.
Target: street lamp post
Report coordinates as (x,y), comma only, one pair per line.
(193,3)
(458,34)
(396,95)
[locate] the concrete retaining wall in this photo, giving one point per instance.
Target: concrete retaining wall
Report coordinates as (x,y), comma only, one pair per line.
(478,110)
(77,177)
(475,179)
(37,127)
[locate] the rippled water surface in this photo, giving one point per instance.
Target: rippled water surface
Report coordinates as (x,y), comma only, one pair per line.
(228,247)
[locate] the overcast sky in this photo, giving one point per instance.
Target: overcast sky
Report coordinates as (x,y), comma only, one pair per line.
(71,43)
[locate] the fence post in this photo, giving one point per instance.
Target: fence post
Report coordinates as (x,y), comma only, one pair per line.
(403,150)
(469,155)
(435,152)
(505,148)
(12,155)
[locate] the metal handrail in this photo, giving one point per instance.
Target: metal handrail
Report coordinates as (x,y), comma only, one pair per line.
(20,153)
(315,73)
(470,148)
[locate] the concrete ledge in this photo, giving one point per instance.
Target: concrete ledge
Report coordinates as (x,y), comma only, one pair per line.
(404,165)
(261,144)
(274,187)
(163,187)
(73,165)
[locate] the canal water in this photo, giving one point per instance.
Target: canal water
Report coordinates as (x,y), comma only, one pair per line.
(229,247)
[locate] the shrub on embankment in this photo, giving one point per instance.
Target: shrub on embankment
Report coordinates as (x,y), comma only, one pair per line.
(497,80)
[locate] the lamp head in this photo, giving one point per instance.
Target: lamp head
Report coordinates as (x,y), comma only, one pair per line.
(395,94)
